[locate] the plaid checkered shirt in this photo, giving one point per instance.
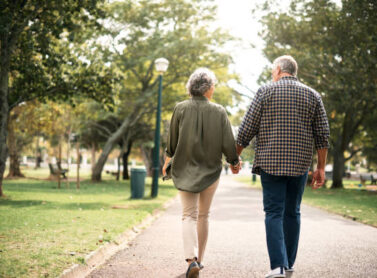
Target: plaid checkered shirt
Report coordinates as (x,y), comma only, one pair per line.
(286,117)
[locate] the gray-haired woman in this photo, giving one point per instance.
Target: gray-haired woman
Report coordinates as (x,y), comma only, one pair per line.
(200,133)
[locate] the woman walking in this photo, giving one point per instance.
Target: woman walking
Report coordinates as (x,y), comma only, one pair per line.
(200,133)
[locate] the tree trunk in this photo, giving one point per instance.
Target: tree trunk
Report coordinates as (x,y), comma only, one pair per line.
(38,155)
(14,166)
(68,154)
(59,161)
(93,159)
(147,154)
(109,146)
(126,175)
(4,107)
(338,168)
(1,188)
(8,41)
(78,162)
(14,156)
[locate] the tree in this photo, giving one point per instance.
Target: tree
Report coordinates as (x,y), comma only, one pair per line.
(23,126)
(35,60)
(336,49)
(370,142)
(175,30)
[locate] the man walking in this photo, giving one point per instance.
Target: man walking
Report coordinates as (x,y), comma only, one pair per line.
(286,117)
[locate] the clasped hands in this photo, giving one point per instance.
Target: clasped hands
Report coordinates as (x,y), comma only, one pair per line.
(236,168)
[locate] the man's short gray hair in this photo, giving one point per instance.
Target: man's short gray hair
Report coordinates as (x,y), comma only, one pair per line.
(287,64)
(200,81)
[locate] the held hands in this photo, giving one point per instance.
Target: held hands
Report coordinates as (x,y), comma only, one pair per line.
(236,168)
(318,178)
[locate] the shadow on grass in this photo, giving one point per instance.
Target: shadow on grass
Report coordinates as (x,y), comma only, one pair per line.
(127,204)
(47,187)
(21,203)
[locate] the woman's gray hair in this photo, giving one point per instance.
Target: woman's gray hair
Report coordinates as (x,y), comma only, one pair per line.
(287,64)
(200,81)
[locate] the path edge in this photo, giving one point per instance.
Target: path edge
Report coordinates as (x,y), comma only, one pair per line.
(101,255)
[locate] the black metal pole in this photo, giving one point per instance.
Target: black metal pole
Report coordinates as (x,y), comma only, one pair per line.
(156,153)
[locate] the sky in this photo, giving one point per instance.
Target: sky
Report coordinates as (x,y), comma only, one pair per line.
(236,17)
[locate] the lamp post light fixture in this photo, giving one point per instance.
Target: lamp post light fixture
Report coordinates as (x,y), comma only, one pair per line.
(161,66)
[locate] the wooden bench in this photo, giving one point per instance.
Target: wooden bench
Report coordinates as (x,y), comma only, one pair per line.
(62,171)
(56,172)
(111,173)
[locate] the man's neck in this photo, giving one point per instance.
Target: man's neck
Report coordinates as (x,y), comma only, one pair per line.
(284,74)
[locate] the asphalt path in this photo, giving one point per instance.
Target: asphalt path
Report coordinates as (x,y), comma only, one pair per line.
(330,245)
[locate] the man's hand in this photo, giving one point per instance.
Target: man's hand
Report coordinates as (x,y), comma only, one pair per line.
(319,175)
(318,178)
(236,168)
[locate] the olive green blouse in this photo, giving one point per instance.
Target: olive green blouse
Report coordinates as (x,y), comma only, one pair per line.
(200,132)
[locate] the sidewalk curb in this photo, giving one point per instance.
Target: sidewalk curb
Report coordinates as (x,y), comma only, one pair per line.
(98,257)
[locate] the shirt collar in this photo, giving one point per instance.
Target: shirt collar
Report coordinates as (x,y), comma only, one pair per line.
(199,98)
(289,78)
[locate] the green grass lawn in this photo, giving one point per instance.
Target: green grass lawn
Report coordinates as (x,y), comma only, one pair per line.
(352,202)
(45,230)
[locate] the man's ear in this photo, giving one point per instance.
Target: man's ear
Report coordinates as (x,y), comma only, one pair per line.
(278,70)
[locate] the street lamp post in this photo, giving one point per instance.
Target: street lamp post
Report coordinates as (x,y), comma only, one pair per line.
(161,66)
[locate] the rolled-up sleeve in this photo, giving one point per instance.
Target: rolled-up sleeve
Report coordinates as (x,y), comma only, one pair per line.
(251,122)
(228,142)
(173,134)
(321,130)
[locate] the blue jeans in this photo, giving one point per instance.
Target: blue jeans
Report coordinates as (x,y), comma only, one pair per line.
(281,200)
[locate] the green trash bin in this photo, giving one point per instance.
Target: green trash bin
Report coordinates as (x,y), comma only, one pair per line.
(138,182)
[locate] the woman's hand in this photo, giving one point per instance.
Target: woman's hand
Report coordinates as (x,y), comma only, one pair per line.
(236,168)
(167,160)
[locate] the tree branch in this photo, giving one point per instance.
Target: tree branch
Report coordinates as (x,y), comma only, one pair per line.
(100,127)
(149,74)
(353,154)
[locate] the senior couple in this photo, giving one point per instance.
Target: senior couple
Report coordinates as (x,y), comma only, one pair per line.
(287,118)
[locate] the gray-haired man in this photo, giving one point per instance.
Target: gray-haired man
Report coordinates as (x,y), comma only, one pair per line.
(286,117)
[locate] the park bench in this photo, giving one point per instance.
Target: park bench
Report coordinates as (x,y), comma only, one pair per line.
(115,174)
(63,171)
(56,171)
(365,177)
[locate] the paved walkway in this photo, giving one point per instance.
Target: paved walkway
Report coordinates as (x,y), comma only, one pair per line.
(330,245)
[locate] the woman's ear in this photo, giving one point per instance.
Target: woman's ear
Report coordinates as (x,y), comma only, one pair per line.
(212,89)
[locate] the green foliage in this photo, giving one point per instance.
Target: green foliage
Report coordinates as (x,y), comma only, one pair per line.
(40,36)
(176,30)
(139,32)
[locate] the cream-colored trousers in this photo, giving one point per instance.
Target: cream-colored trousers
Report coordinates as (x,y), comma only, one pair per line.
(196,207)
